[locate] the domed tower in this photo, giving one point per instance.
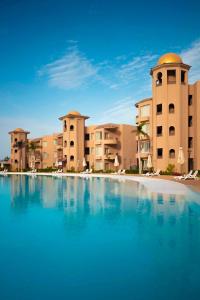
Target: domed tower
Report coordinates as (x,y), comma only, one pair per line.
(73,140)
(170,111)
(19,144)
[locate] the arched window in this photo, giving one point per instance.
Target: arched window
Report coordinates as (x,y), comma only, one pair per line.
(171,130)
(16,161)
(171,108)
(65,143)
(71,143)
(72,157)
(171,153)
(159,78)
(71,127)
(65,125)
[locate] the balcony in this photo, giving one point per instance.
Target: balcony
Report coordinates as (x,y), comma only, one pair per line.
(110,141)
(109,156)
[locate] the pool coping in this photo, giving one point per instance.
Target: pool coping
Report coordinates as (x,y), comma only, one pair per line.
(154,185)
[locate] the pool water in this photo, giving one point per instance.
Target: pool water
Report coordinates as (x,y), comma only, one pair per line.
(97,238)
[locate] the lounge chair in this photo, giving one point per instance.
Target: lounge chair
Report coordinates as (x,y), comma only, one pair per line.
(192,176)
(85,172)
(184,176)
(123,172)
(157,173)
(117,173)
(5,171)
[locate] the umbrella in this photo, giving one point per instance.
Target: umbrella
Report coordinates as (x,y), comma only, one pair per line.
(149,162)
(84,162)
(181,158)
(116,162)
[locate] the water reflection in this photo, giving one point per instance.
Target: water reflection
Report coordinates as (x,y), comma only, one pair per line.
(80,198)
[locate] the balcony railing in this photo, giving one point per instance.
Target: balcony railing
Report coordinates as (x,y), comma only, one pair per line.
(111,141)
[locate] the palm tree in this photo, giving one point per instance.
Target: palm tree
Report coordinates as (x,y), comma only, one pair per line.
(140,132)
(20,145)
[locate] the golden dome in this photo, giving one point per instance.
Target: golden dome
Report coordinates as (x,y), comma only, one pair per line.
(19,130)
(75,113)
(169,58)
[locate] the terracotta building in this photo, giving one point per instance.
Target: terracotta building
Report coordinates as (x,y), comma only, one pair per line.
(98,145)
(170,118)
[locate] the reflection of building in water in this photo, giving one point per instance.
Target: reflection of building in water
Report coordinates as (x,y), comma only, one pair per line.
(82,198)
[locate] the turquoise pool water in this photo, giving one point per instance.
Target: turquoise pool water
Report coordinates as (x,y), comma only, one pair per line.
(72,238)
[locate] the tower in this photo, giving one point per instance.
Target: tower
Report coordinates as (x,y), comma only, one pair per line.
(19,144)
(170,111)
(73,140)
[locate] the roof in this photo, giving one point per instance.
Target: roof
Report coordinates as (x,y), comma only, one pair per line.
(170,58)
(143,100)
(73,114)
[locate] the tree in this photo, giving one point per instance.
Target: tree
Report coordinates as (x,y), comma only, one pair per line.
(140,132)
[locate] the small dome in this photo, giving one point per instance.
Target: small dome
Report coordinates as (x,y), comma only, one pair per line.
(169,58)
(19,130)
(75,113)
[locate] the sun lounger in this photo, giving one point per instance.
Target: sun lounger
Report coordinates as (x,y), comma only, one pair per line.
(157,173)
(184,176)
(192,176)
(117,173)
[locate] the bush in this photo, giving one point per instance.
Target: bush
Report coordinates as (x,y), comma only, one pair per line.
(169,170)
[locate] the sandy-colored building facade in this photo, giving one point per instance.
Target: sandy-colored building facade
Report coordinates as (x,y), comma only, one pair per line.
(170,118)
(98,145)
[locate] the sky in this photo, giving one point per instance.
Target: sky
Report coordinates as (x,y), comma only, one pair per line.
(90,56)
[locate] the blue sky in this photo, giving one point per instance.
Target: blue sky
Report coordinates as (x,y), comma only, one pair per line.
(90,56)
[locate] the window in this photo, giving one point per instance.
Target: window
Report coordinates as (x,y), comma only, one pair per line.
(65,143)
(45,155)
(71,127)
(171,130)
(72,157)
(99,151)
(159,153)
(71,143)
(87,150)
(15,140)
(190,100)
(171,108)
(159,130)
(171,153)
(190,121)
(16,161)
(159,109)
(44,144)
(183,76)
(15,150)
(144,146)
(87,137)
(55,142)
(98,135)
(99,165)
(190,142)
(171,76)
(159,79)
(145,111)
(65,125)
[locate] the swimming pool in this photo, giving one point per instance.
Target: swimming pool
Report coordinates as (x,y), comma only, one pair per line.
(96,238)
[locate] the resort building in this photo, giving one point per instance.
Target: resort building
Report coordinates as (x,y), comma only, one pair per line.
(170,118)
(97,145)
